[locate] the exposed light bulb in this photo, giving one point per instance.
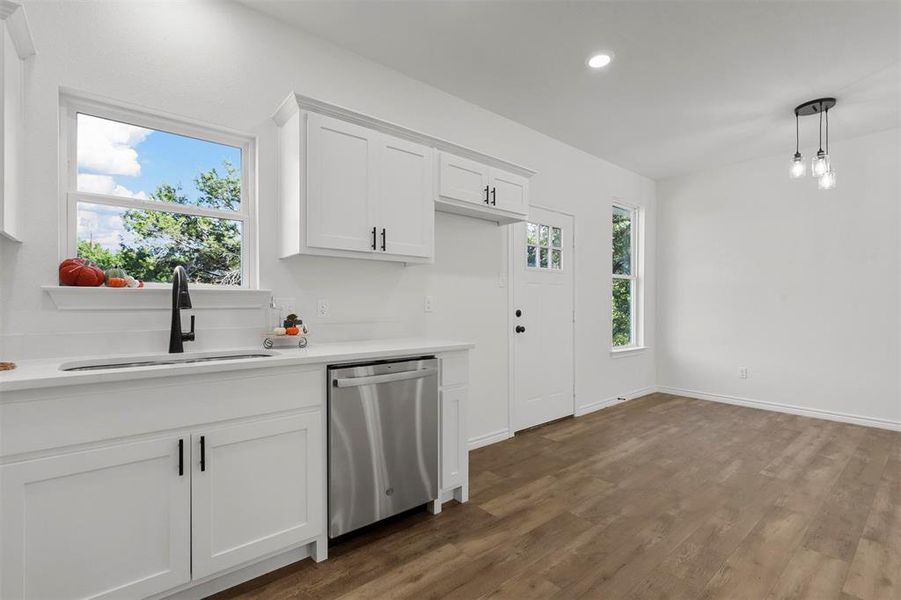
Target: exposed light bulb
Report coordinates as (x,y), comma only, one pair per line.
(599,61)
(798,168)
(819,165)
(827,180)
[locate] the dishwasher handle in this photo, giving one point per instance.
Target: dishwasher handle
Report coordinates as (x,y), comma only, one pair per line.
(345,382)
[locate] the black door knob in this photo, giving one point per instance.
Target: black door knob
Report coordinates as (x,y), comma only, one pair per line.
(520,329)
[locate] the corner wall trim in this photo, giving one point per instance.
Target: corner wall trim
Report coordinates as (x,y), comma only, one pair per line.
(489,438)
(608,402)
(802,411)
(17,26)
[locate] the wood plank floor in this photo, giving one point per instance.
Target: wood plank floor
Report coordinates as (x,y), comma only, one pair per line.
(661,497)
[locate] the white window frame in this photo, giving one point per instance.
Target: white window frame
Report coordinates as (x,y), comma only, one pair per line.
(73,104)
(550,249)
(636,312)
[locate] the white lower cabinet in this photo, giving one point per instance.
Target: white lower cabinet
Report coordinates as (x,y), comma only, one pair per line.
(103,523)
(454,455)
(257,488)
(136,519)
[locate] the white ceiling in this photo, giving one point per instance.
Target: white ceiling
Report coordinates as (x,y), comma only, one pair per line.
(692,85)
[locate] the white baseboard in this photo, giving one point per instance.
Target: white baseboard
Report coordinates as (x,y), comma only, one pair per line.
(607,402)
(802,411)
(489,438)
(217,583)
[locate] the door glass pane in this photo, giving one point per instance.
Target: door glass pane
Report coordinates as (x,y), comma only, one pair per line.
(531,256)
(148,244)
(622,241)
(532,234)
(544,258)
(556,237)
(120,159)
(555,259)
(543,235)
(622,312)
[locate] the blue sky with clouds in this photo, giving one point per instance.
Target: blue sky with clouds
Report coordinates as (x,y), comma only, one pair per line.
(125,160)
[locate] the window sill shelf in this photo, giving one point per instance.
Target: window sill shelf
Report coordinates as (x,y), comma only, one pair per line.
(152,298)
(630,351)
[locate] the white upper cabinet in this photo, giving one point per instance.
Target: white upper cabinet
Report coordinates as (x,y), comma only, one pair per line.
(463,179)
(354,191)
(509,192)
(471,188)
(406,213)
(341,184)
(355,186)
(16,46)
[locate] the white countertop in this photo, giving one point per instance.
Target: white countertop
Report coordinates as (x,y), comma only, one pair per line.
(33,374)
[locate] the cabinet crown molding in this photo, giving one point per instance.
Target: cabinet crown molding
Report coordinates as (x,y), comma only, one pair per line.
(13,14)
(297,102)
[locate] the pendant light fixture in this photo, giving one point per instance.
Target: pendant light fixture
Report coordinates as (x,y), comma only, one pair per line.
(820,164)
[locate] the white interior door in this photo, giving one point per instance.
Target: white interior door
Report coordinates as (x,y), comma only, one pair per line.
(543,318)
(341,184)
(406,204)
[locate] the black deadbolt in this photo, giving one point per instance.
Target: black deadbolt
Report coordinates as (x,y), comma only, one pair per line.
(518,313)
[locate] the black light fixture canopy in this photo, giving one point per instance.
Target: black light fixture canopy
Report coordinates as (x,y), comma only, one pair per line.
(813,107)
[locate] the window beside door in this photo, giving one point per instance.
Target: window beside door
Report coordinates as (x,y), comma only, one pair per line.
(626,280)
(544,247)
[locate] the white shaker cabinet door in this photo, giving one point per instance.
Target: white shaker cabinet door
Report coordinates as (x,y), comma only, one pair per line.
(107,523)
(257,489)
(406,206)
(509,192)
(454,453)
(463,179)
(341,184)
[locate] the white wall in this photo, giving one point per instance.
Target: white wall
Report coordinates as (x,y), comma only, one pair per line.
(228,65)
(800,286)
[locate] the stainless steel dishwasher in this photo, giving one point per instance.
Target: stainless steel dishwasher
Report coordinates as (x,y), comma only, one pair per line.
(382,440)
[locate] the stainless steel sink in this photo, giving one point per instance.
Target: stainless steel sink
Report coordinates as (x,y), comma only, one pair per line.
(162,359)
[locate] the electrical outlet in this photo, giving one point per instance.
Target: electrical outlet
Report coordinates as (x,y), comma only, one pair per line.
(429,304)
(322,308)
(743,372)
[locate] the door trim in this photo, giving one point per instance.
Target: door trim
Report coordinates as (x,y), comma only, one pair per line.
(511,286)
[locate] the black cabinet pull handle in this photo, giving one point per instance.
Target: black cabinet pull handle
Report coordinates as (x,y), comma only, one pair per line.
(520,329)
(373,238)
(486,194)
(494,196)
(384,238)
(181,457)
(203,453)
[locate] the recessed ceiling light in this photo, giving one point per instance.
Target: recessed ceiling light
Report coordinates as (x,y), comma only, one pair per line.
(599,61)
